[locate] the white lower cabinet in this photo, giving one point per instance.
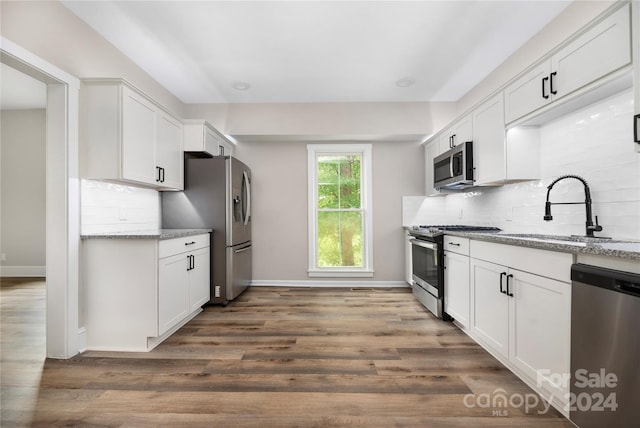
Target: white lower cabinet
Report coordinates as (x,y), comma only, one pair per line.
(456,279)
(199,284)
(139,291)
(408,258)
(173,293)
(183,286)
(524,318)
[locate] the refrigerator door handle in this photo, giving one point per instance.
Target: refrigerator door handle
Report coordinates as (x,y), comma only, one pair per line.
(247,217)
(242,250)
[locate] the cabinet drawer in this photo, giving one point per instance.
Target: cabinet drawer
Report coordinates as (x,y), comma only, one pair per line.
(456,244)
(550,264)
(170,247)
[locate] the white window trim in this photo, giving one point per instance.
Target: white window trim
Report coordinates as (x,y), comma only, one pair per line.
(313,150)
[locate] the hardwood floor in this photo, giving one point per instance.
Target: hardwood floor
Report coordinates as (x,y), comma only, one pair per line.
(276,357)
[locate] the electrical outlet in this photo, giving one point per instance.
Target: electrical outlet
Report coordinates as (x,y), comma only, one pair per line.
(460,214)
(123,214)
(217,291)
(3,257)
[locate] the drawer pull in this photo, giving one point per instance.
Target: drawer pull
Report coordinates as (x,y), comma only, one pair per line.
(453,243)
(509,293)
(190,243)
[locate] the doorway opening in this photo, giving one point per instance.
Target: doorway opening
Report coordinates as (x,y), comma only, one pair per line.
(62,198)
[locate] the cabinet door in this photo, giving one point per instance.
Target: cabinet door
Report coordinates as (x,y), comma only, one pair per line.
(603,49)
(199,283)
(444,141)
(459,132)
(431,150)
(173,291)
(490,308)
(463,130)
(211,142)
(138,138)
(169,152)
(540,317)
(456,287)
(525,94)
(489,151)
(408,263)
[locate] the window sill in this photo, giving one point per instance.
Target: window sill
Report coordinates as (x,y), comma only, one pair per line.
(340,273)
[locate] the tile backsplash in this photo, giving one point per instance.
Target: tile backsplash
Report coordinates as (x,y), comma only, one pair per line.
(594,143)
(109,207)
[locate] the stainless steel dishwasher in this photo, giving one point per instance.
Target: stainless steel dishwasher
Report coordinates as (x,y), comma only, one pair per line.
(605,347)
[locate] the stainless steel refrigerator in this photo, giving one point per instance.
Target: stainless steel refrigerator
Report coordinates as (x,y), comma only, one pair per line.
(217,196)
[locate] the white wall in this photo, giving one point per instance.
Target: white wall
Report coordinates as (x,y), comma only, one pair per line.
(595,143)
(280,207)
(23,194)
(337,121)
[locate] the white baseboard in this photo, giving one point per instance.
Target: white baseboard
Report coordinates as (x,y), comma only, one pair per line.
(23,271)
(327,284)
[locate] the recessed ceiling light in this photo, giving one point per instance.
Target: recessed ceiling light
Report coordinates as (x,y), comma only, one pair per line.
(405,81)
(240,86)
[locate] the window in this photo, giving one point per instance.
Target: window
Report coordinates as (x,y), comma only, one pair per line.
(340,220)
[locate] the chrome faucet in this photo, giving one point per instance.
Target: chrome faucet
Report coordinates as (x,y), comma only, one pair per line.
(587,202)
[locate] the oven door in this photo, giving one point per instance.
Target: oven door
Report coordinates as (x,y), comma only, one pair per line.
(427,279)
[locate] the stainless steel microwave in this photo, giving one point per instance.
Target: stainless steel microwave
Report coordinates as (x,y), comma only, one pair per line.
(453,170)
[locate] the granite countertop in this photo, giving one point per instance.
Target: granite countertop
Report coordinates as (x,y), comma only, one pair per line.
(626,249)
(160,234)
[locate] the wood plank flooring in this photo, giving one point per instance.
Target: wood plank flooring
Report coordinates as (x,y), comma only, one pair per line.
(276,357)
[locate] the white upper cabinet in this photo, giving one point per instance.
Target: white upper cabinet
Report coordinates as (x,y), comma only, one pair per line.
(601,50)
(459,132)
(500,156)
(525,94)
(169,151)
(139,126)
(129,138)
(489,151)
(200,137)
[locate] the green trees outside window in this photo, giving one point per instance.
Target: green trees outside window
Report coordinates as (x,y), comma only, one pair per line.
(339,210)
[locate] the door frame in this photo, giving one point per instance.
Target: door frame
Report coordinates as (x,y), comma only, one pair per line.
(62,197)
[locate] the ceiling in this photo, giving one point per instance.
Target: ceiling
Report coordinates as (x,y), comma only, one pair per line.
(317,51)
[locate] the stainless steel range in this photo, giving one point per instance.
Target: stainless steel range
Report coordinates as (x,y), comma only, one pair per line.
(427,261)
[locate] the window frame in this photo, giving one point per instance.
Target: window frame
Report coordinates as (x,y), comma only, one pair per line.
(365,151)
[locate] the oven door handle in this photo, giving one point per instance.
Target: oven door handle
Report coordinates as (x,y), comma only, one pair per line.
(424,244)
